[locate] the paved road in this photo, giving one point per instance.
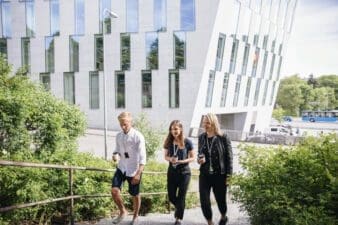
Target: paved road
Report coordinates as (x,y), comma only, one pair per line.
(191,217)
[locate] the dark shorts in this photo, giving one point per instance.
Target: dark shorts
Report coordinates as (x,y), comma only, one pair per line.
(119,178)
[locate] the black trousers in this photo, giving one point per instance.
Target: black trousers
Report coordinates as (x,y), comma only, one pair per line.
(177,185)
(217,183)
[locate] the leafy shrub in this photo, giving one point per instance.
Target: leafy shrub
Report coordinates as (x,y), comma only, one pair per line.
(153,136)
(290,185)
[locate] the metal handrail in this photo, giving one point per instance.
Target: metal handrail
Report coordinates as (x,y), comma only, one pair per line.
(71,197)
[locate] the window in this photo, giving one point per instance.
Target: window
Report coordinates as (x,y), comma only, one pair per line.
(210,90)
(105,22)
(79,17)
(99,58)
(49,54)
(125,51)
(245,59)
(237,89)
(45,80)
(265,91)
(272,65)
(247,92)
(30,19)
(179,48)
(3,47)
(174,89)
(255,62)
(233,56)
(146,89)
(220,51)
(279,67)
(54,17)
(225,89)
(6,19)
(187,15)
(152,50)
(266,54)
(25,53)
(160,15)
(272,92)
(258,86)
(94,90)
(69,87)
(74,53)
(132,15)
(120,87)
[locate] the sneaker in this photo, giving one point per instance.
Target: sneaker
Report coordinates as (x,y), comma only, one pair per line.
(134,222)
(223,221)
(118,219)
(178,222)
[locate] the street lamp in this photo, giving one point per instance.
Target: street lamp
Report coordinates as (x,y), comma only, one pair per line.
(111,15)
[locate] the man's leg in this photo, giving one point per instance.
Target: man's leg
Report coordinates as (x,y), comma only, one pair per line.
(136,206)
(116,194)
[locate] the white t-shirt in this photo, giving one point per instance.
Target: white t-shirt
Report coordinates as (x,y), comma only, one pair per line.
(131,144)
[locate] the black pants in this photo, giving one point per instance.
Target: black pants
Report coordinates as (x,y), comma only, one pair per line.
(177,185)
(217,183)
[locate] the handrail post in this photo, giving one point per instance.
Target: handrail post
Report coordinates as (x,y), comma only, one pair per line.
(70,181)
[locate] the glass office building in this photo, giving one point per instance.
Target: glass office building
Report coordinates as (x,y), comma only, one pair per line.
(171,59)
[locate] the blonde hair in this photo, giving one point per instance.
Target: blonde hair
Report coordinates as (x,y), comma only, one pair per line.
(124,115)
(214,123)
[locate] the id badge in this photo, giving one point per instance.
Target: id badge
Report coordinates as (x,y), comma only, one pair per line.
(126,155)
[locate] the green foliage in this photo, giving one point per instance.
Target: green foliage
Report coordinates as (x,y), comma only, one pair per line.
(153,136)
(290,185)
(278,114)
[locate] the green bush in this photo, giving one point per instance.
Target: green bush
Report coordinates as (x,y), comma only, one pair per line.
(295,186)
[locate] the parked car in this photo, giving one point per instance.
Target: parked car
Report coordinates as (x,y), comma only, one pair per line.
(287,118)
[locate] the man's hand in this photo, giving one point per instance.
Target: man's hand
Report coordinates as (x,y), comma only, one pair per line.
(136,179)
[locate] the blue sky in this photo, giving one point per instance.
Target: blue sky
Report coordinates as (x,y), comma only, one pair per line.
(313,45)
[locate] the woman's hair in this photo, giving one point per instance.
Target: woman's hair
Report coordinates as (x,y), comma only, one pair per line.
(170,138)
(214,123)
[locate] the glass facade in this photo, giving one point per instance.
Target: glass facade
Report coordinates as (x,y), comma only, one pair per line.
(255,62)
(187,15)
(247,92)
(245,58)
(151,50)
(74,53)
(224,89)
(6,19)
(125,51)
(220,52)
(120,90)
(233,56)
(3,47)
(69,87)
(79,17)
(210,89)
(94,90)
(258,86)
(174,89)
(179,49)
(25,53)
(49,54)
(30,19)
(265,92)
(160,15)
(99,53)
(146,89)
(45,80)
(237,90)
(272,92)
(54,17)
(105,20)
(132,15)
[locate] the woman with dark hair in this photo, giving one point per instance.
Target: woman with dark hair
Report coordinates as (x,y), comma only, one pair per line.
(215,159)
(179,152)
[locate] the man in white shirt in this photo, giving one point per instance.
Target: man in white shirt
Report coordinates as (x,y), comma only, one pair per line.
(131,153)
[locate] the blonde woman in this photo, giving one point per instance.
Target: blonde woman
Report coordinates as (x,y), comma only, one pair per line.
(179,152)
(215,159)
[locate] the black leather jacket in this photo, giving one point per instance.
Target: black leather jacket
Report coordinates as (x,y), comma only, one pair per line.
(224,149)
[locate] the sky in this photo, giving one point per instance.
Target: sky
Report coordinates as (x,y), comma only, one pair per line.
(313,44)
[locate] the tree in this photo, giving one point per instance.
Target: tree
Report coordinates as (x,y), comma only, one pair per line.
(332,82)
(278,114)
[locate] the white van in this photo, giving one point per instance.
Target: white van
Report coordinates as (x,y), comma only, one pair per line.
(277,130)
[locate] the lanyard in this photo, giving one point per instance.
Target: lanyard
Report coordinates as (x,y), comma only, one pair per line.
(209,147)
(175,150)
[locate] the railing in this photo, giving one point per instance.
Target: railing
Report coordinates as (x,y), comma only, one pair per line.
(71,197)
